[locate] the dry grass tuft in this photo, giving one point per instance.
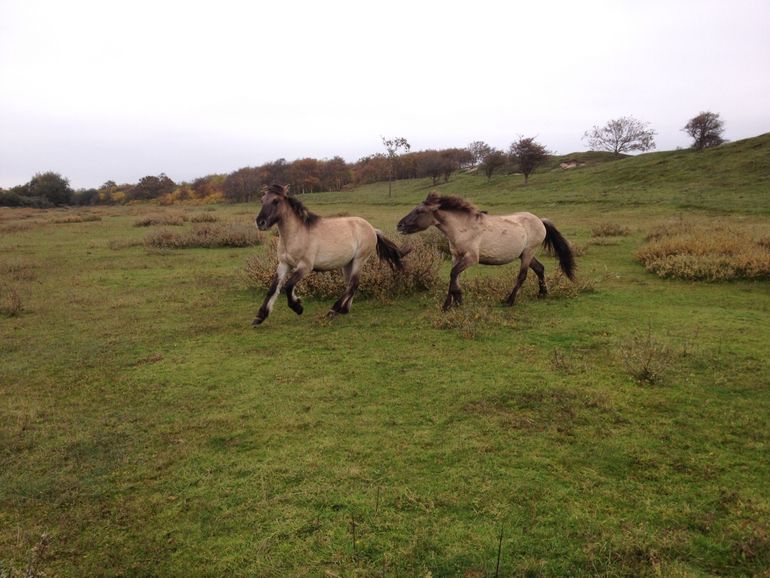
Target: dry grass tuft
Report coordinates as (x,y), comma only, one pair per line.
(10,301)
(645,358)
(495,289)
(708,252)
(232,234)
(171,219)
(610,230)
(204,217)
(469,320)
(81,218)
(378,280)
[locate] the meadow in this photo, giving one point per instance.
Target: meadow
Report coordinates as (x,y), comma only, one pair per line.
(619,427)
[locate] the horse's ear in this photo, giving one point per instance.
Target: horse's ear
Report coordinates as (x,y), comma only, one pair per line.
(433,198)
(285,189)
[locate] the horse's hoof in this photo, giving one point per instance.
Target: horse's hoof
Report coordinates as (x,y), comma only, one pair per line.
(257,321)
(297,308)
(331,314)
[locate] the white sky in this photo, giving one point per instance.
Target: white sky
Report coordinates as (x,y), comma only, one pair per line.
(106,90)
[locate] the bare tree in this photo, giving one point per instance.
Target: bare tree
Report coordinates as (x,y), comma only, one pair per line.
(478,150)
(621,135)
(392,146)
(528,154)
(706,130)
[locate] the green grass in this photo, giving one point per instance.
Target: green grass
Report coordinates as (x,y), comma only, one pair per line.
(148,430)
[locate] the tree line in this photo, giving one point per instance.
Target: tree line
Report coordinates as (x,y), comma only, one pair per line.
(309,175)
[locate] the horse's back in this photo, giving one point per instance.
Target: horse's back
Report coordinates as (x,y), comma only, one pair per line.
(506,237)
(340,240)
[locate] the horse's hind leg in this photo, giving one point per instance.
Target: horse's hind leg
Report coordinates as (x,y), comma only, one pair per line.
(351,271)
(539,270)
(272,293)
(526,258)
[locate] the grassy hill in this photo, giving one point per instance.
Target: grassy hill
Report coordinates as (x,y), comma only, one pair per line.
(147,430)
(734,177)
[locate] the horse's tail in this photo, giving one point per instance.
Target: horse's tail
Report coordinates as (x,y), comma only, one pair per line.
(388,251)
(555,242)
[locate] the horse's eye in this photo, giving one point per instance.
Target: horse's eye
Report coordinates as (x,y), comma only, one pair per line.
(275,201)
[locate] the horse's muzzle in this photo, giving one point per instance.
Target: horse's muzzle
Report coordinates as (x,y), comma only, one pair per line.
(262,225)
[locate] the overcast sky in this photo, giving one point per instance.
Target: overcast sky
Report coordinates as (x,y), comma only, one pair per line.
(106,90)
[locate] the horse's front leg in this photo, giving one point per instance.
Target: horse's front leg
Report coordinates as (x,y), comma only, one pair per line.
(454,294)
(272,293)
(295,303)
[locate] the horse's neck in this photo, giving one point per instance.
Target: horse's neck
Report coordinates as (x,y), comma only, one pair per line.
(454,226)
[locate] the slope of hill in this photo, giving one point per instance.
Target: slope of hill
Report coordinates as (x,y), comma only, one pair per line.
(734,177)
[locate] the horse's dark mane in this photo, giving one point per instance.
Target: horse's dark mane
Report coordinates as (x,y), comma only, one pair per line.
(452,203)
(304,214)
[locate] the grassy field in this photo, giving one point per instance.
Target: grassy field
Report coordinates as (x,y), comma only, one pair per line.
(621,429)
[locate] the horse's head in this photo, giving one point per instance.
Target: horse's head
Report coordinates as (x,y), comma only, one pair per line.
(421,217)
(273,206)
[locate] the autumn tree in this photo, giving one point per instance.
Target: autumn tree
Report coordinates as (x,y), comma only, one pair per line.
(528,154)
(492,160)
(621,135)
(706,130)
(151,187)
(50,187)
(393,145)
(243,185)
(335,174)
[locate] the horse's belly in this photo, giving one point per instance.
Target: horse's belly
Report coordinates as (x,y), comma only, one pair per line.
(499,250)
(331,261)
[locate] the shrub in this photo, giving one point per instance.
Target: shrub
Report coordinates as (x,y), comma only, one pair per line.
(645,358)
(708,252)
(378,280)
(206,236)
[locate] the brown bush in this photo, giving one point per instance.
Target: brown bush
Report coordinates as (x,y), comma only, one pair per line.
(705,252)
(231,234)
(378,280)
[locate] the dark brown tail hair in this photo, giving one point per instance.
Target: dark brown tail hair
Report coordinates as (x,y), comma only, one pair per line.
(556,243)
(388,251)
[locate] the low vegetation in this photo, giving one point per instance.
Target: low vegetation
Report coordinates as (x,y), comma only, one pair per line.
(618,427)
(709,251)
(231,234)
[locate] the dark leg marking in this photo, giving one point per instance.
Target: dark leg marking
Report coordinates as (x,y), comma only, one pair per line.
(264,310)
(295,304)
(519,282)
(539,270)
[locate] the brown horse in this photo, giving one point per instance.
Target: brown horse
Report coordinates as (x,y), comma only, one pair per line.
(476,237)
(308,242)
